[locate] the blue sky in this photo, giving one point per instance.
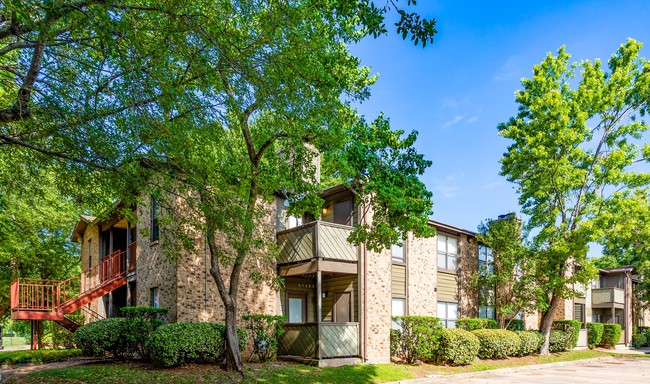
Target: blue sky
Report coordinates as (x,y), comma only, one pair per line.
(457,90)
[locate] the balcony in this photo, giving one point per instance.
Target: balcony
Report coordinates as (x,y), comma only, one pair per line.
(320,340)
(608,297)
(318,239)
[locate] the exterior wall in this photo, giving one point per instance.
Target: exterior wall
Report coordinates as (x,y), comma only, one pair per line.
(91,233)
(300,285)
(467,267)
(378,306)
(154,269)
(338,284)
(422,276)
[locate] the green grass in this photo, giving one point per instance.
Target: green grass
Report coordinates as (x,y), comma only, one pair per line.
(41,356)
(13,341)
(291,373)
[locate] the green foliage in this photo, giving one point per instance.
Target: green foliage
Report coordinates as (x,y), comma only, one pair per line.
(639,340)
(611,335)
(558,341)
(58,337)
(572,328)
(140,323)
(647,336)
(182,343)
(594,334)
(531,342)
(266,331)
(497,343)
(104,337)
(578,131)
(515,325)
(469,324)
(419,337)
(37,356)
(395,337)
(458,347)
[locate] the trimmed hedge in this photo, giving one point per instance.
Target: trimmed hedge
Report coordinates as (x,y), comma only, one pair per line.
(572,327)
(611,335)
(181,343)
(531,342)
(458,347)
(395,335)
(419,337)
(471,324)
(594,334)
(103,337)
(37,356)
(497,343)
(515,325)
(647,337)
(639,340)
(558,341)
(140,323)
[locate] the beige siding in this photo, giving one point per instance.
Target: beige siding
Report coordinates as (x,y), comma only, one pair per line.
(398,274)
(447,287)
(306,286)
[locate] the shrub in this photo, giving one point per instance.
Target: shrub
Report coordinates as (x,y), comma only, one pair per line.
(639,340)
(647,337)
(103,337)
(515,325)
(181,343)
(531,342)
(611,335)
(497,343)
(37,356)
(394,341)
(572,327)
(419,337)
(140,323)
(558,341)
(266,331)
(458,347)
(594,334)
(474,324)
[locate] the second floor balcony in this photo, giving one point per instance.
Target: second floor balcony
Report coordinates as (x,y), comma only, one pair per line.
(608,297)
(316,240)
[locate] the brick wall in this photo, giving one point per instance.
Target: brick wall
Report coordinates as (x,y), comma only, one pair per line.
(422,276)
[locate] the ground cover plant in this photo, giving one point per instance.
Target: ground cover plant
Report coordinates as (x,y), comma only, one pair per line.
(37,356)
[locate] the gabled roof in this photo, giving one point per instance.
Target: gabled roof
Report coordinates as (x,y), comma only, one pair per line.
(451,229)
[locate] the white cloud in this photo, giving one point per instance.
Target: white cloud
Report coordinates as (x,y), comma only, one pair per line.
(453,121)
(472,119)
(511,69)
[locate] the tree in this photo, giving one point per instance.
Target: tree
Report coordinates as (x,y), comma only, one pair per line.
(220,104)
(574,147)
(511,276)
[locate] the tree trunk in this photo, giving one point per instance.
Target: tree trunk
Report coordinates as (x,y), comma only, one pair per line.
(233,355)
(547,323)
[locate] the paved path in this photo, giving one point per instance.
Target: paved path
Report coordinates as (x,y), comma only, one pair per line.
(618,370)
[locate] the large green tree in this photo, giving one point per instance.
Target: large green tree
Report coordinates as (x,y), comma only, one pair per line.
(219,103)
(576,147)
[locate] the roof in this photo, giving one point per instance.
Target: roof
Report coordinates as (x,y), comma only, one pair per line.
(450,228)
(625,268)
(86,220)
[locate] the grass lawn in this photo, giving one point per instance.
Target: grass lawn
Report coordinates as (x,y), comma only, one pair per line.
(14,341)
(280,372)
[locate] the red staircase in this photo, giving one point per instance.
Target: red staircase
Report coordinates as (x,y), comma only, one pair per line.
(38,299)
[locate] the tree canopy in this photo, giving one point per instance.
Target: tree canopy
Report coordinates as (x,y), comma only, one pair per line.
(575,156)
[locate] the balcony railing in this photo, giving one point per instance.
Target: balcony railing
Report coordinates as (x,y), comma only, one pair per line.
(607,296)
(336,340)
(317,239)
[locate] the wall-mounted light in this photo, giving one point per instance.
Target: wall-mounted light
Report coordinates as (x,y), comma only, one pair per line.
(326,211)
(324,294)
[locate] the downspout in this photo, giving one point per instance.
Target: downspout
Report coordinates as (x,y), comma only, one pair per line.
(626,308)
(365,297)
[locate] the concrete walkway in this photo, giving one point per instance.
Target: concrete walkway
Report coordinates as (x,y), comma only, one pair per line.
(600,370)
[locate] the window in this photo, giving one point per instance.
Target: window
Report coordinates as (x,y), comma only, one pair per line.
(486,312)
(485,259)
(596,318)
(447,252)
(297,307)
(595,284)
(397,253)
(343,212)
(90,254)
(155,228)
(155,299)
(579,312)
(448,314)
(398,309)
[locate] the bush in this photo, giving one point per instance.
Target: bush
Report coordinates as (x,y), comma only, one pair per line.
(474,324)
(103,337)
(647,337)
(266,331)
(531,342)
(639,340)
(594,334)
(38,356)
(181,343)
(558,341)
(395,335)
(458,347)
(611,335)
(515,325)
(140,323)
(572,327)
(419,337)
(497,343)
